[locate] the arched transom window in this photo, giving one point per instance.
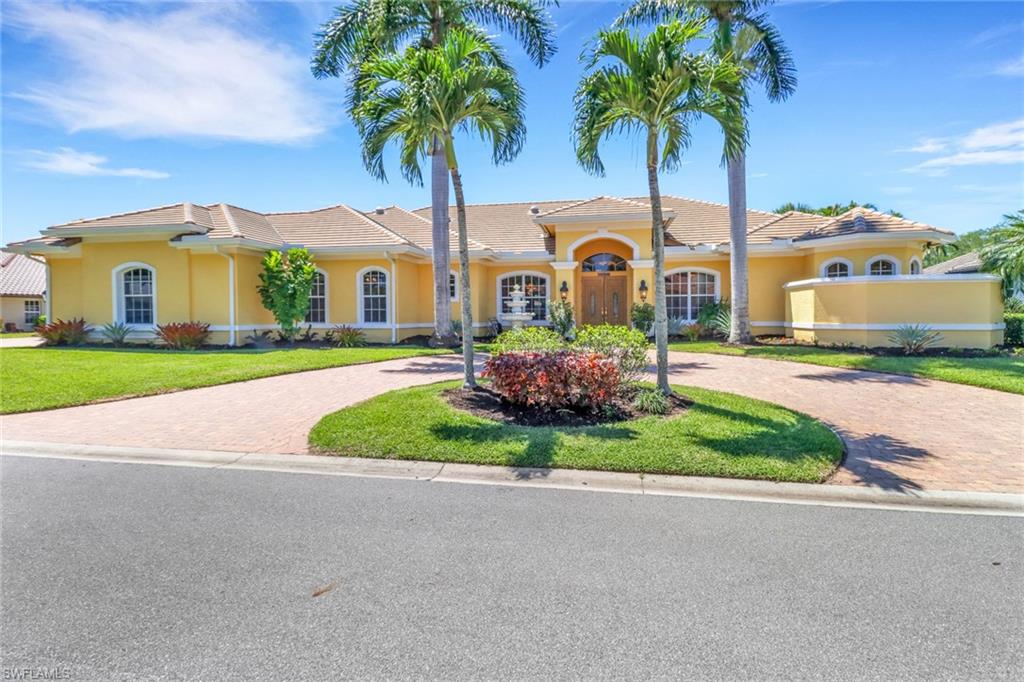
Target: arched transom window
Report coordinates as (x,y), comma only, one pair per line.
(840,267)
(915,266)
(535,292)
(136,303)
(688,291)
(604,262)
(373,297)
(882,267)
(318,299)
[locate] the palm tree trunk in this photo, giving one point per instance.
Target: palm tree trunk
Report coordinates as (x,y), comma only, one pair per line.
(469,377)
(658,230)
(443,335)
(739,329)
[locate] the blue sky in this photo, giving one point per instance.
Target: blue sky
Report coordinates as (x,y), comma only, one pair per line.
(110,107)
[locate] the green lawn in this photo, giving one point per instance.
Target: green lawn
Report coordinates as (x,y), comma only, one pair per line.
(721,435)
(44,378)
(1000,373)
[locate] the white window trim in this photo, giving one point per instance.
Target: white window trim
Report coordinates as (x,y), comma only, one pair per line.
(832,261)
(458,287)
(708,271)
(603,234)
(116,299)
(327,299)
(881,257)
(920,266)
(497,291)
(24,309)
(359,298)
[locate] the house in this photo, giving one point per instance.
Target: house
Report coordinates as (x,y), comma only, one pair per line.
(967,263)
(22,291)
(846,279)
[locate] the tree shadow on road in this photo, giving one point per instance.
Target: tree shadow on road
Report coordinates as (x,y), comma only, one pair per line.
(855,376)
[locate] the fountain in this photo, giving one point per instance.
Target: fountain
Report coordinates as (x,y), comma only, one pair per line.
(518,316)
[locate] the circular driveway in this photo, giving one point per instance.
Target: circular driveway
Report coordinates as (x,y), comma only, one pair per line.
(902,433)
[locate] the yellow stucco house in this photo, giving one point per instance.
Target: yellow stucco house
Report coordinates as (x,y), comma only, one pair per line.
(22,291)
(848,279)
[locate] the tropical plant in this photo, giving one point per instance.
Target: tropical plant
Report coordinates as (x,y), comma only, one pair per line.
(677,326)
(422,96)
(1004,254)
(344,336)
(716,317)
(832,209)
(285,283)
(537,339)
(693,331)
(1013,334)
(308,335)
(742,32)
(183,335)
(457,328)
(40,320)
(561,380)
(650,401)
(260,339)
(626,347)
(651,85)
(964,244)
(642,316)
(73,332)
(116,333)
(365,29)
(561,315)
(914,338)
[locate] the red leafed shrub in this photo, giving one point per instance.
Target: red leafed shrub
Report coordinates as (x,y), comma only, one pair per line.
(559,380)
(73,332)
(183,335)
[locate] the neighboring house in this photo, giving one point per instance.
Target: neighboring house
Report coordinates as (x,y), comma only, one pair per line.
(22,291)
(968,263)
(846,279)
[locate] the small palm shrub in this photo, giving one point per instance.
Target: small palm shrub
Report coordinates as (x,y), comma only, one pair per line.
(73,332)
(457,328)
(348,337)
(914,338)
(716,317)
(554,380)
(183,335)
(116,333)
(536,339)
(693,331)
(650,401)
(308,336)
(561,315)
(1013,335)
(260,339)
(627,347)
(642,316)
(677,326)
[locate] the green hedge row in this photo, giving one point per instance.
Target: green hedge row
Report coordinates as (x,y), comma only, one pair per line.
(1014,332)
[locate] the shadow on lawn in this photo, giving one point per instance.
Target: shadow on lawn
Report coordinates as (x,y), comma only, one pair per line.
(540,443)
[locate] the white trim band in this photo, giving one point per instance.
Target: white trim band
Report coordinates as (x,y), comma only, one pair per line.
(881,279)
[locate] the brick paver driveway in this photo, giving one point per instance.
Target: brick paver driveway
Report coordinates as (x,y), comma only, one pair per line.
(901,432)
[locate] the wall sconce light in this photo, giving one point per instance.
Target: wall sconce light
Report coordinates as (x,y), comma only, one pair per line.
(564,290)
(643,290)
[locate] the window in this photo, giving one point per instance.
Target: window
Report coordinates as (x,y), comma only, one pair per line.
(535,293)
(137,296)
(453,287)
(839,267)
(374,297)
(882,267)
(32,312)
(604,262)
(915,266)
(318,299)
(688,292)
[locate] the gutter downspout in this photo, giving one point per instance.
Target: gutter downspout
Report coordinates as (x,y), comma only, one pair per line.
(391,294)
(231,294)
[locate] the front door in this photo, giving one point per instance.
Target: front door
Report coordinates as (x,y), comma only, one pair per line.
(604,299)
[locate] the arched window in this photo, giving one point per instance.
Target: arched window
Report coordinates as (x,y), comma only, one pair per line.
(687,291)
(135,294)
(318,299)
(915,266)
(534,286)
(373,297)
(883,266)
(836,267)
(604,262)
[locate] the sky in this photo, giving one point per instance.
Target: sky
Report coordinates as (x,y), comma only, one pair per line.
(112,107)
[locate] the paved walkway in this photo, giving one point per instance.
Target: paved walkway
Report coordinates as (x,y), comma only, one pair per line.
(20,342)
(902,433)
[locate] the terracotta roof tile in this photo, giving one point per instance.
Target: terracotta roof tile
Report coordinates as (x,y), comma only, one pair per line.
(966,263)
(507,227)
(173,214)
(21,276)
(334,226)
(598,206)
(861,220)
(416,228)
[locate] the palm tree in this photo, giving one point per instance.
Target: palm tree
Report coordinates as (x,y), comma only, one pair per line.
(1004,253)
(741,29)
(424,96)
(653,86)
(364,28)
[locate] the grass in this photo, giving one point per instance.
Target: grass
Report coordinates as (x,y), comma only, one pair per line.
(44,378)
(721,435)
(1000,373)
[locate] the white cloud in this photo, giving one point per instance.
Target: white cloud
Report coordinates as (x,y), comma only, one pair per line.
(927,145)
(996,136)
(201,70)
(997,144)
(1014,67)
(67,161)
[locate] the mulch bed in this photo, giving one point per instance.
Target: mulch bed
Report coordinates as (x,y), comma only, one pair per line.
(485,403)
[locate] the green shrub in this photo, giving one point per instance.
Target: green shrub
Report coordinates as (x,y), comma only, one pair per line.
(345,336)
(285,283)
(716,316)
(538,339)
(1013,335)
(627,347)
(457,328)
(650,401)
(914,338)
(642,315)
(116,333)
(693,331)
(677,326)
(561,315)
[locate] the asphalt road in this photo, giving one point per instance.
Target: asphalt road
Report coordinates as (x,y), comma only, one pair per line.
(122,571)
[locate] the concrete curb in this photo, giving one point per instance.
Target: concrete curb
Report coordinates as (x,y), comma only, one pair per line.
(956,502)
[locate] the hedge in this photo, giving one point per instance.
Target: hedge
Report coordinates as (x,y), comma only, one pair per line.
(1014,333)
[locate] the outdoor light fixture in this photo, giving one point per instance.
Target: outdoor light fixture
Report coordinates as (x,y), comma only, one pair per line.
(643,290)
(564,290)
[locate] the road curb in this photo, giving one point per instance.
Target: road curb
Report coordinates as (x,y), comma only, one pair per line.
(959,502)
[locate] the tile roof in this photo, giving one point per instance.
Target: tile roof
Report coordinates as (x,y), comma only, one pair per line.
(21,276)
(335,226)
(789,225)
(507,227)
(703,222)
(968,262)
(598,206)
(173,214)
(416,228)
(862,220)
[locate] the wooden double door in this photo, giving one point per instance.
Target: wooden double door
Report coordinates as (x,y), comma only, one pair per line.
(604,298)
